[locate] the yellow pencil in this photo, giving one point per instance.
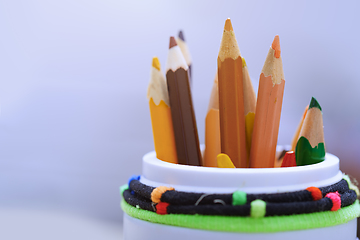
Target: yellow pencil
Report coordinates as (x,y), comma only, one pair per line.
(212,128)
(223,161)
(297,132)
(249,106)
(160,113)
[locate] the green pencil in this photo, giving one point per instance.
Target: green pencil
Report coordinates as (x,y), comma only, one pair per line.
(310,147)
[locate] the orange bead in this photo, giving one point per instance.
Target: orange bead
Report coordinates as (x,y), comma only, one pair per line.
(315,193)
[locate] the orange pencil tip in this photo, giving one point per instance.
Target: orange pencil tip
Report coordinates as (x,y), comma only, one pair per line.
(156,63)
(172,42)
(228,25)
(276,46)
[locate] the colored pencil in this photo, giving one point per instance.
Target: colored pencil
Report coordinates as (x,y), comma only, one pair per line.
(212,128)
(249,106)
(279,157)
(279,161)
(180,40)
(223,161)
(182,112)
(298,129)
(289,159)
(310,147)
(231,98)
(160,114)
(268,109)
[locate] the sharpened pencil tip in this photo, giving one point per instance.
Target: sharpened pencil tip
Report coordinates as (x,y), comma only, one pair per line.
(314,103)
(228,25)
(181,35)
(156,63)
(172,42)
(276,46)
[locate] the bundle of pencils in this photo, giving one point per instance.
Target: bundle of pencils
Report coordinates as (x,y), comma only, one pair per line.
(240,130)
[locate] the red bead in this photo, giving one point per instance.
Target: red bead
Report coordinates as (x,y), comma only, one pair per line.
(161,208)
(336,200)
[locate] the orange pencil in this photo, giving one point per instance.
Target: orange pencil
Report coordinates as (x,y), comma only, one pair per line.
(231,98)
(212,128)
(160,113)
(268,109)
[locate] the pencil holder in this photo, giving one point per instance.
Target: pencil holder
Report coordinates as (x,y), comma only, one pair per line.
(172,201)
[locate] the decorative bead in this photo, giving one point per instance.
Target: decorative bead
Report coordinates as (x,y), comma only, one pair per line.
(316,193)
(258,208)
(336,200)
(161,208)
(158,192)
(239,198)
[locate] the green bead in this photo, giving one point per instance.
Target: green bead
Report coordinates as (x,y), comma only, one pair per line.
(239,198)
(258,208)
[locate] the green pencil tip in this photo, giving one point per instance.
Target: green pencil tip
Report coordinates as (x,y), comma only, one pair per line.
(314,103)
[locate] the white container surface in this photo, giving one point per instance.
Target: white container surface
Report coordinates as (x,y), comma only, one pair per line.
(250,180)
(220,180)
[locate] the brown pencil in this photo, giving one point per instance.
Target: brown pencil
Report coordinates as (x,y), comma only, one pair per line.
(268,109)
(231,99)
(182,112)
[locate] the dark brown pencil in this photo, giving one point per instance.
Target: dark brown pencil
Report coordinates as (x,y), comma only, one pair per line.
(182,112)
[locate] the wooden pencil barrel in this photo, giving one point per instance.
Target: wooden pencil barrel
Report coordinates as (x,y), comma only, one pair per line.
(183,117)
(266,124)
(231,107)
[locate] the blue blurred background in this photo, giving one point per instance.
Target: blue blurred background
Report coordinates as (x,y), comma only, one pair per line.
(74,120)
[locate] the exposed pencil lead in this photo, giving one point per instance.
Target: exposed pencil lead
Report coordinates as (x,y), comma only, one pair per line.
(172,42)
(228,25)
(181,35)
(156,63)
(276,46)
(314,103)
